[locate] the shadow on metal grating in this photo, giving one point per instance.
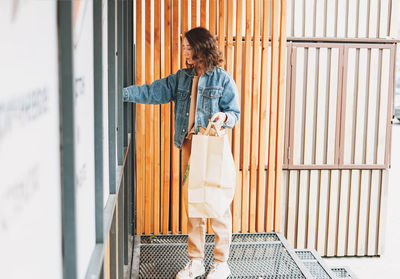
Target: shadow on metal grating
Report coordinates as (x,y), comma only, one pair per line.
(265,255)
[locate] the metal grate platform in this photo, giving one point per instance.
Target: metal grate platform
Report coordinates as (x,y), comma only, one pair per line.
(315,264)
(343,272)
(252,256)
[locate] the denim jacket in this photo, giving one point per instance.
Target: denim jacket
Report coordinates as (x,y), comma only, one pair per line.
(217,92)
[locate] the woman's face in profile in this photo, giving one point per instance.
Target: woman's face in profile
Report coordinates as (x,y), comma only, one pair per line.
(187,51)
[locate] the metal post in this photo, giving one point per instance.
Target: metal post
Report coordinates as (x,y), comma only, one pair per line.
(111,95)
(66,79)
(120,76)
(98,116)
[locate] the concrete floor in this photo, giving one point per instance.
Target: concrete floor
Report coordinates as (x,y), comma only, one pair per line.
(387,265)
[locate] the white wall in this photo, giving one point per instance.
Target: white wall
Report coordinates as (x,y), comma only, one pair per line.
(84,132)
(30,191)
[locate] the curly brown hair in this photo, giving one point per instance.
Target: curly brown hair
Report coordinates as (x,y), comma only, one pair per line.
(204,47)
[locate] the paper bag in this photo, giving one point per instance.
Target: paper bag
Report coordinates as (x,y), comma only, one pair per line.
(212,176)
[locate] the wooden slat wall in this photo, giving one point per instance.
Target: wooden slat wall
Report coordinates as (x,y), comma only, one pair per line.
(342,18)
(344,217)
(159,204)
(318,70)
(337,153)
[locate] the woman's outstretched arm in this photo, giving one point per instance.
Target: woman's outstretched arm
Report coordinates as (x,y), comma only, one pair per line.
(159,92)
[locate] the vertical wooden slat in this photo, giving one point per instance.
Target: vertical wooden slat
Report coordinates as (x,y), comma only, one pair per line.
(221,26)
(384,18)
(236,204)
(372,107)
(343,212)
(319,19)
(394,21)
(380,150)
(212,17)
(322,107)
(162,128)
(185,22)
(298,16)
(229,38)
(263,119)
(290,18)
(156,119)
(391,54)
(284,201)
(373,211)
(362,19)
(246,119)
(289,78)
(203,13)
(341,18)
(229,53)
(348,147)
(292,207)
(309,118)
(254,119)
(309,18)
(373,19)
(148,127)
(330,18)
(312,209)
(351,19)
(353,212)
(365,184)
(175,150)
(140,127)
(335,78)
(302,209)
(273,118)
(331,237)
(293,88)
(323,201)
(382,210)
(193,13)
(280,116)
(165,121)
(298,107)
(184,25)
(359,141)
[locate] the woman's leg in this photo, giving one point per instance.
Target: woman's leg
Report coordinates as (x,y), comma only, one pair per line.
(222,228)
(196,226)
(196,237)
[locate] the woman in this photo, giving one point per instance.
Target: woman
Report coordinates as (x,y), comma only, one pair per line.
(202,92)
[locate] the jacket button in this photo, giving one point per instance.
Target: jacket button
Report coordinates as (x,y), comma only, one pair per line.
(183,130)
(187,114)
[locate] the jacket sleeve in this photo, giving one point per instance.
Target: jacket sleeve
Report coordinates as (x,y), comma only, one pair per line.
(229,103)
(159,92)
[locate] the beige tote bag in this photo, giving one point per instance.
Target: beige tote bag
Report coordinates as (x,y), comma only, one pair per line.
(212,175)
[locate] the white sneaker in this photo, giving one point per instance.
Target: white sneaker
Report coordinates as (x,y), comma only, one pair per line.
(193,269)
(219,270)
